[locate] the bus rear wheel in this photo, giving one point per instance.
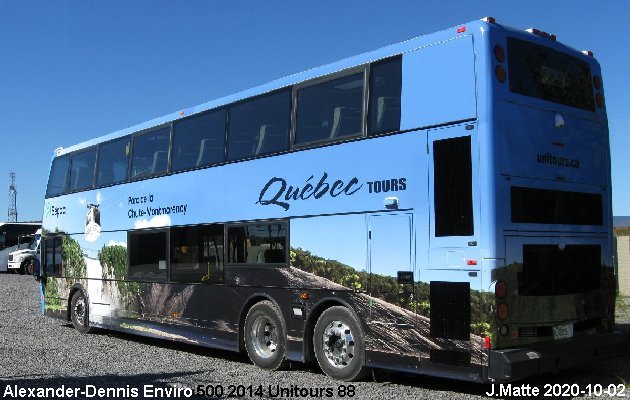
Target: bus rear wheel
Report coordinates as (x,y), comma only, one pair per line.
(265,336)
(79,312)
(339,345)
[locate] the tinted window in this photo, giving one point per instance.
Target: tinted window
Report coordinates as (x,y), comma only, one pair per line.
(147,255)
(330,110)
(259,126)
(452,187)
(547,74)
(549,270)
(150,153)
(385,86)
(257,244)
(199,140)
(543,206)
(82,170)
(197,254)
(52,256)
(58,178)
(113,162)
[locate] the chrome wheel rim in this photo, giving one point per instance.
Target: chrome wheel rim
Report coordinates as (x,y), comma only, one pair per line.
(338,344)
(264,337)
(79,310)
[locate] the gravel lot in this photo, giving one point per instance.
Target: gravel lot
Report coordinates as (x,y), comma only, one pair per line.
(38,352)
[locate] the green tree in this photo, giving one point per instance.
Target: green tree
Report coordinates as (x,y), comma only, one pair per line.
(74,262)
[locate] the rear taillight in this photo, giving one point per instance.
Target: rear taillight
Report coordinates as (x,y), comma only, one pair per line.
(599,97)
(502,311)
(499,53)
(499,71)
(500,289)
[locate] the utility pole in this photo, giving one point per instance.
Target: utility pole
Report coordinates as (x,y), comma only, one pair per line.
(12,217)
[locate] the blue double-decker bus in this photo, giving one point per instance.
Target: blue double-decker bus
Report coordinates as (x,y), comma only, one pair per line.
(440,206)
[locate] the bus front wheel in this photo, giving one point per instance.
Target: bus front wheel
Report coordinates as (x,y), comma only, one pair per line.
(265,336)
(79,312)
(339,345)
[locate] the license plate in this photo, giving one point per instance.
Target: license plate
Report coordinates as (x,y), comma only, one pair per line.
(563,331)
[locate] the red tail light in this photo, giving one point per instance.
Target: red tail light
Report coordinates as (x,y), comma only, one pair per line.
(597,82)
(500,289)
(486,342)
(499,72)
(599,99)
(502,311)
(499,53)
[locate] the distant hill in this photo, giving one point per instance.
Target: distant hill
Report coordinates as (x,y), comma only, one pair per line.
(621,221)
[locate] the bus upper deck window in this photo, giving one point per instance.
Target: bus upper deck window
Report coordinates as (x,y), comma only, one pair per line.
(113,162)
(58,179)
(82,170)
(199,140)
(150,153)
(259,126)
(385,87)
(330,110)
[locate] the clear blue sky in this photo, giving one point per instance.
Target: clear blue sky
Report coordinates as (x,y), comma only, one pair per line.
(71,71)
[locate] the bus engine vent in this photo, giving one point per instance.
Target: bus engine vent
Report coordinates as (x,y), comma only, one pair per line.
(452,189)
(450,310)
(451,357)
(549,270)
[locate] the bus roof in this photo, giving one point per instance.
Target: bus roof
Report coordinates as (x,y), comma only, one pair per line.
(33,223)
(346,63)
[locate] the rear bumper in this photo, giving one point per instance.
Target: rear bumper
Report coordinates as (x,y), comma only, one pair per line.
(13,265)
(513,364)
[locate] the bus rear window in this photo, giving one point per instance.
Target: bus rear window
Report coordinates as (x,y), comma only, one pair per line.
(547,74)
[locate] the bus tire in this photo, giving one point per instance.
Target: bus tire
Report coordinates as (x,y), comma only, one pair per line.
(79,312)
(265,336)
(339,345)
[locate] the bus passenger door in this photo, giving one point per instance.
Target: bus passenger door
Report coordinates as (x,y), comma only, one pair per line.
(391,263)
(392,337)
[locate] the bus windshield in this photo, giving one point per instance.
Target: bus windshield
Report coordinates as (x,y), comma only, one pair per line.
(548,74)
